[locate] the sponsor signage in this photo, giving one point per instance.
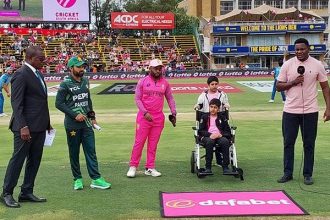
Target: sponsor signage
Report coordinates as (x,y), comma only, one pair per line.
(129,88)
(268,28)
(265,49)
(51,32)
(52,90)
(175,75)
(269,49)
(199,88)
(314,48)
(230,50)
(261,86)
(120,88)
(66,10)
(127,20)
(194,204)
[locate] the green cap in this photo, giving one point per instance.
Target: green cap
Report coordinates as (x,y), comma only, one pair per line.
(75,61)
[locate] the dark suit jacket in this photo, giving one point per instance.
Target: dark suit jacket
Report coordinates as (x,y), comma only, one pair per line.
(29,102)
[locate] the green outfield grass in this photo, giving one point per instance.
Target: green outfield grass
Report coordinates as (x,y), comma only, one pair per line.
(33,8)
(259,146)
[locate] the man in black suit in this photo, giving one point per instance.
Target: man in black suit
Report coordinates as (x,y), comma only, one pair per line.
(21,5)
(29,123)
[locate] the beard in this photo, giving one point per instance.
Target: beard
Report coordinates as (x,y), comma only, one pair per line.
(78,74)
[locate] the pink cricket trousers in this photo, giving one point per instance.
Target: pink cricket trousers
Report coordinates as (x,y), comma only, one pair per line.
(152,131)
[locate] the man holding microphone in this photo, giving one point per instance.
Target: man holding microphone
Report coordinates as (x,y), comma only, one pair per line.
(298,77)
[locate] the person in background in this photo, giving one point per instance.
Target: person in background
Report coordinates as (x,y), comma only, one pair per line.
(149,97)
(276,73)
(4,84)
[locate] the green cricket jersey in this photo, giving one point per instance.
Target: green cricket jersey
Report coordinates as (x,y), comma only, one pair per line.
(72,98)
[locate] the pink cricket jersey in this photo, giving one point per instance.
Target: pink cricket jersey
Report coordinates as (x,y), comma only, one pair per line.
(150,93)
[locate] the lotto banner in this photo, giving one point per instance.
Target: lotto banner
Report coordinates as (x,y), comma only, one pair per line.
(126,20)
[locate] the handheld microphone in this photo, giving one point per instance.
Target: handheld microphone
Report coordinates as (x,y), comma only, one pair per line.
(301,70)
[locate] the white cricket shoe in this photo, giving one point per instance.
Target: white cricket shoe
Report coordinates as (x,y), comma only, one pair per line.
(3,115)
(152,172)
(131,172)
(271,101)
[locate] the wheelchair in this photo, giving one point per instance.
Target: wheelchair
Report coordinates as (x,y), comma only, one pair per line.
(196,154)
(7,4)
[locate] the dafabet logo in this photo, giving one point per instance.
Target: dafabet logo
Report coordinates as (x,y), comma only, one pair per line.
(180,203)
(66,3)
(251,203)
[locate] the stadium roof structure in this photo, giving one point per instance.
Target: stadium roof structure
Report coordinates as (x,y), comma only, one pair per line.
(266,13)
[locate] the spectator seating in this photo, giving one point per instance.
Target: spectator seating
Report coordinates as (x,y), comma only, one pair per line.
(105,53)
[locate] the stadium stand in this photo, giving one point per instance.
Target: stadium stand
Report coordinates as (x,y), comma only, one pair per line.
(106,53)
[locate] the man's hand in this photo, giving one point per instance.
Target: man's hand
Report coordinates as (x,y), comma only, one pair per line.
(8,94)
(326,115)
(196,107)
(148,116)
(50,128)
(172,119)
(80,117)
(298,80)
(25,134)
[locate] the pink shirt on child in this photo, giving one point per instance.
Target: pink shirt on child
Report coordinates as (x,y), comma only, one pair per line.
(150,93)
(302,98)
(211,96)
(213,129)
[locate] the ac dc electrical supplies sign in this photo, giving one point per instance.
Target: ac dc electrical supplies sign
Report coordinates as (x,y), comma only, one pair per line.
(125,20)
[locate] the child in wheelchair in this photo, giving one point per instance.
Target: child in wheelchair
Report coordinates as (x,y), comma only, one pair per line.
(214,132)
(205,98)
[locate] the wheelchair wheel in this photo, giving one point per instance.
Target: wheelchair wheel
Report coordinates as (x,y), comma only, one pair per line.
(199,173)
(192,162)
(240,173)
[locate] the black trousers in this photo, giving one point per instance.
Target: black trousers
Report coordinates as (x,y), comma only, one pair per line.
(308,127)
(86,138)
(21,5)
(222,144)
(32,152)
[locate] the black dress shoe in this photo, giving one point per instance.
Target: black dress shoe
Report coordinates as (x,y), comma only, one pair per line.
(207,172)
(30,198)
(226,170)
(9,201)
(284,179)
(308,180)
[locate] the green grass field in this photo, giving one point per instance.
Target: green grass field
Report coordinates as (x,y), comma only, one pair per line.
(33,8)
(259,146)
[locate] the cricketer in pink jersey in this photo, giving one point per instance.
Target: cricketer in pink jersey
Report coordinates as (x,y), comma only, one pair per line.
(149,97)
(298,77)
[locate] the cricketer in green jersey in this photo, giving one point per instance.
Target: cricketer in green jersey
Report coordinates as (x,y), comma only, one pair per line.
(73,99)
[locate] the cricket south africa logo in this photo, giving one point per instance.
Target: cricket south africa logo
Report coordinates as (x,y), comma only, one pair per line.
(66,3)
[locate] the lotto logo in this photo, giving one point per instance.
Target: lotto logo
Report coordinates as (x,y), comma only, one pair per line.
(66,3)
(126,19)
